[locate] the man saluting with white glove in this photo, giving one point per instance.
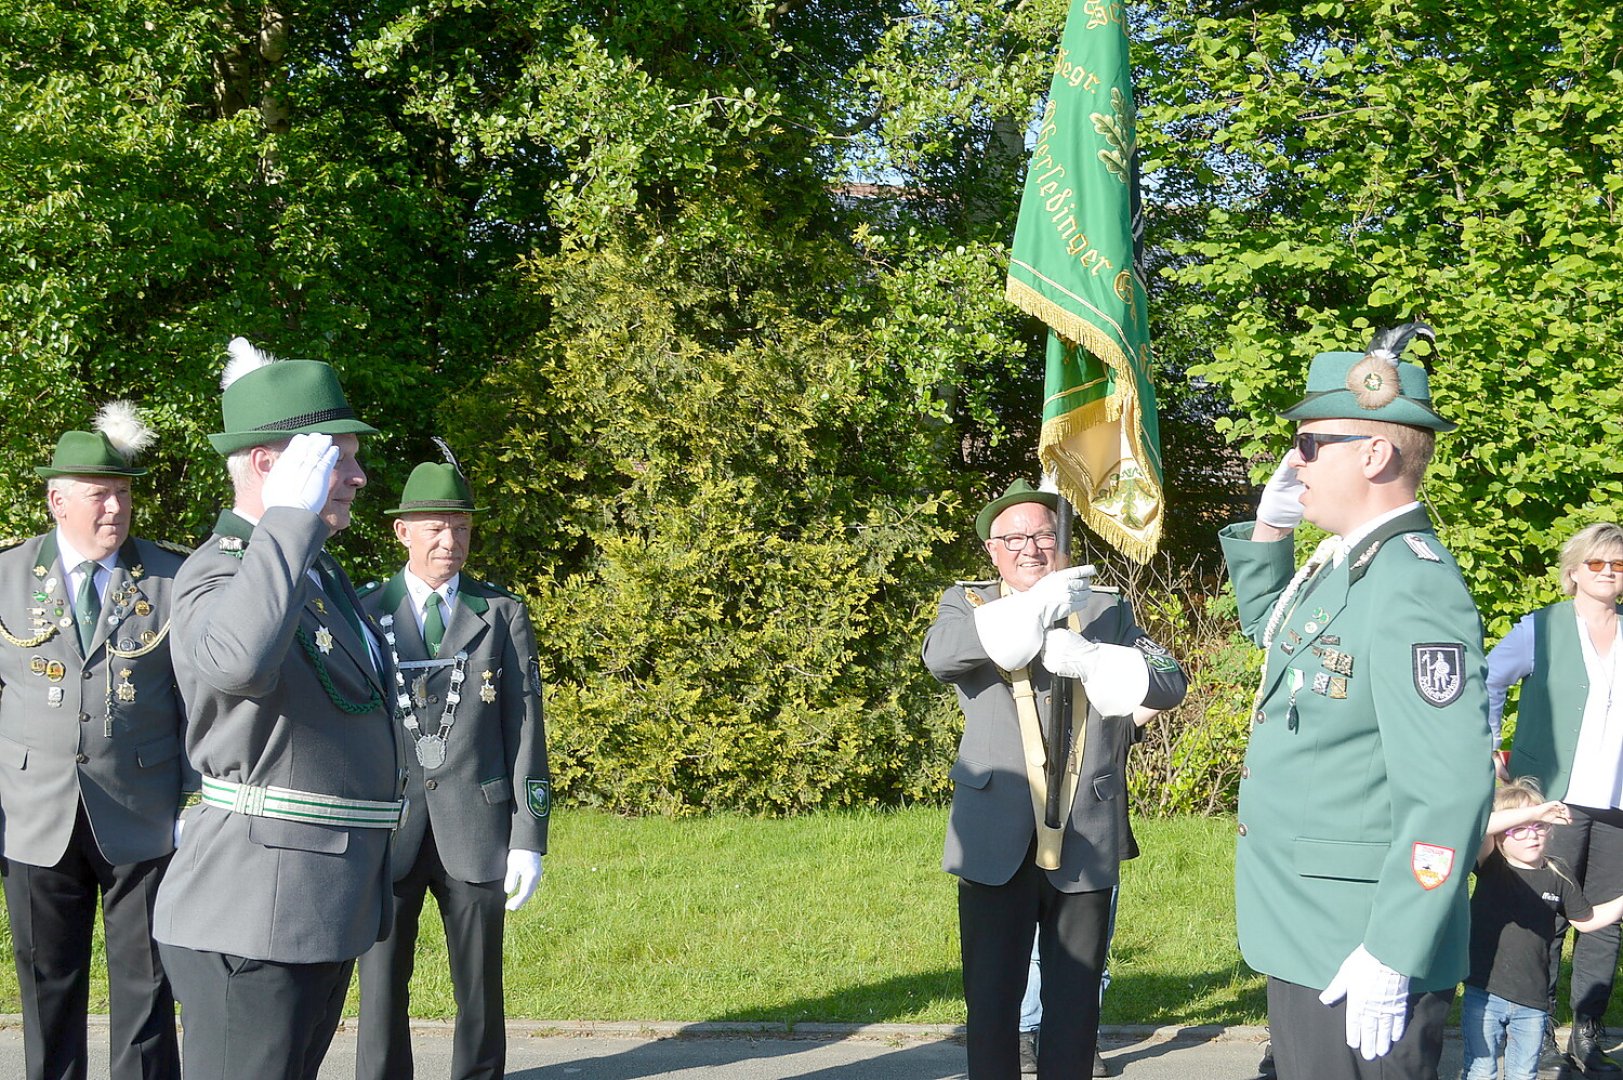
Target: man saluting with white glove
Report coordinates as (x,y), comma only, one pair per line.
(1365,791)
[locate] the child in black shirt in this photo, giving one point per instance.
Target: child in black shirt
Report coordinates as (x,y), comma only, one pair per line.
(1520,898)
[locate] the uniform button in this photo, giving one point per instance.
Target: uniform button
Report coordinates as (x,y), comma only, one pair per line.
(1259,717)
(84,718)
(431,784)
(1245,772)
(1242,828)
(88,674)
(81,758)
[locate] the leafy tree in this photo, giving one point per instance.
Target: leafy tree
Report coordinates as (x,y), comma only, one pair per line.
(1355,165)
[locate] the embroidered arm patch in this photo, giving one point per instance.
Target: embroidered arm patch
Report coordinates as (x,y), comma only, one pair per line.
(1156,655)
(538,797)
(1439,672)
(1431,863)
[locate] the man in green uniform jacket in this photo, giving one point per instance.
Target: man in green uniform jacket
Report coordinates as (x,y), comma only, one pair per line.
(468,700)
(1366,787)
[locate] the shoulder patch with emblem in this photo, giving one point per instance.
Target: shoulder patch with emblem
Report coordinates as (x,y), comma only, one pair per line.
(1156,655)
(1421,548)
(1431,864)
(1439,671)
(975,599)
(538,797)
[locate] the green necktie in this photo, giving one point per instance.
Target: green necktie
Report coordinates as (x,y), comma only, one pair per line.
(87,605)
(433,625)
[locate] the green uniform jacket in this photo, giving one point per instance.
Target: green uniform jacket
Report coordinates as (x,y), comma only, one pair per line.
(1367,779)
(494,791)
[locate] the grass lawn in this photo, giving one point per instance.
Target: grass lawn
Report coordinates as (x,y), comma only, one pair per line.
(833,917)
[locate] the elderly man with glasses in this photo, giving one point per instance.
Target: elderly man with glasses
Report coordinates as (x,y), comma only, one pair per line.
(1003,644)
(1366,784)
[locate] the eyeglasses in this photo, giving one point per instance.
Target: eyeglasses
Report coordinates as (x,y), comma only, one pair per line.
(1597,565)
(1045,541)
(1308,442)
(1522,832)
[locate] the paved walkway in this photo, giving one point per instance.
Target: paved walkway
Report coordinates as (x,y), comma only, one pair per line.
(620,1051)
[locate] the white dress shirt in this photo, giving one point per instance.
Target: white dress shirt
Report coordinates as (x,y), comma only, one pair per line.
(1597,764)
(419,591)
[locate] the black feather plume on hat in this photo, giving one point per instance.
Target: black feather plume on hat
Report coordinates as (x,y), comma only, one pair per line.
(1390,343)
(450,458)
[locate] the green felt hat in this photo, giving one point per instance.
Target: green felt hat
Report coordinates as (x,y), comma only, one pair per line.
(87,453)
(436,487)
(1015,494)
(266,400)
(1373,385)
(109,450)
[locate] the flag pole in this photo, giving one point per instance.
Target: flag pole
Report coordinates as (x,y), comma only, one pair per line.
(1059,715)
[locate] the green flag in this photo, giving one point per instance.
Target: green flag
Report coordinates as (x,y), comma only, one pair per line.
(1074,267)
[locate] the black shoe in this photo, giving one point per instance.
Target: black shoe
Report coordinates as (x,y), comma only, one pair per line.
(1028,1053)
(1552,1063)
(1265,1067)
(1584,1047)
(1099,1066)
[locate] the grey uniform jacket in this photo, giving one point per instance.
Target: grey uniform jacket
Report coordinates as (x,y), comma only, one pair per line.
(104,729)
(494,791)
(991,825)
(280,690)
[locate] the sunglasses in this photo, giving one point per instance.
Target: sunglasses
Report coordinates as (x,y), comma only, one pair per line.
(1522,832)
(1307,443)
(1597,565)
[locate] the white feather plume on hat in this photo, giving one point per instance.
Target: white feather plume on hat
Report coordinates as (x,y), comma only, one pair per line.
(121,422)
(244,358)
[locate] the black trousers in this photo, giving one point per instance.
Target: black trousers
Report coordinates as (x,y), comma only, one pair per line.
(1593,847)
(1073,931)
(472,913)
(255,1019)
(1310,1039)
(53,915)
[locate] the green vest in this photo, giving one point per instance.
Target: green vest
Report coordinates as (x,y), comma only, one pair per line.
(1551,712)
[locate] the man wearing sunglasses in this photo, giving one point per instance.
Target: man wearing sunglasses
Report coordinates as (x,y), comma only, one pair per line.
(1366,786)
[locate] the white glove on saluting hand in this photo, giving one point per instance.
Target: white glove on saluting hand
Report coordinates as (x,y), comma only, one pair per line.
(1281,504)
(1377,1003)
(1115,676)
(302,475)
(1011,628)
(523,875)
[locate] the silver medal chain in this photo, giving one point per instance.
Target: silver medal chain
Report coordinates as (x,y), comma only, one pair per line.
(430,749)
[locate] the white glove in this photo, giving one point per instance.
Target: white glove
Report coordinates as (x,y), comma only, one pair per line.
(302,475)
(523,875)
(1115,676)
(1281,504)
(1011,628)
(1377,1002)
